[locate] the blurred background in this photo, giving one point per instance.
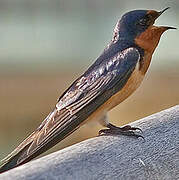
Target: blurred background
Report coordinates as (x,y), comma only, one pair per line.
(46,45)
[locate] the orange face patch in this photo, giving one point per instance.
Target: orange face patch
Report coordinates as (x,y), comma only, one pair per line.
(149,39)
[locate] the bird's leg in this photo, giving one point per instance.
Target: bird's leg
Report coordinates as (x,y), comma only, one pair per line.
(125,130)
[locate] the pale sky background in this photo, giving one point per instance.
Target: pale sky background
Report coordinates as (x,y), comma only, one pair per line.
(71,32)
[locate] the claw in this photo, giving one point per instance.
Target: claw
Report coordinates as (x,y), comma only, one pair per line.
(139,129)
(140,136)
(126,130)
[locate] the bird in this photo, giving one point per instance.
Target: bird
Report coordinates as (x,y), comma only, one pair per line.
(114,76)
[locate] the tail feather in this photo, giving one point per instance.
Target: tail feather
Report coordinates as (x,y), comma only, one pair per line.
(30,149)
(57,126)
(12,160)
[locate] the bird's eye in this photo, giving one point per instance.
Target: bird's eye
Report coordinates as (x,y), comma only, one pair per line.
(143,22)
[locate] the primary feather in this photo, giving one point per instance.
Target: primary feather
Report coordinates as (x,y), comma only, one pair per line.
(80,100)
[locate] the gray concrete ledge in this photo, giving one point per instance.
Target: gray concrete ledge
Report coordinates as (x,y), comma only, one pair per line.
(114,157)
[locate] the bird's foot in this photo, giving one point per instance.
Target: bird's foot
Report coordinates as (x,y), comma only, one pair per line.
(126,130)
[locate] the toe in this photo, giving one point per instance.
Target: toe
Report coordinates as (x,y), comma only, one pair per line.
(128,128)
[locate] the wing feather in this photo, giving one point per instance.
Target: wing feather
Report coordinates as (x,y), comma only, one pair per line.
(83,97)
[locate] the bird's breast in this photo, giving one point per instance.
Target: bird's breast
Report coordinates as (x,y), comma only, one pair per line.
(132,84)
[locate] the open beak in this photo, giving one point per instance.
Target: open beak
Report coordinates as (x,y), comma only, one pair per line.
(155,15)
(161,12)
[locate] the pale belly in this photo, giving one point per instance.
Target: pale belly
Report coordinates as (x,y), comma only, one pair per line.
(132,84)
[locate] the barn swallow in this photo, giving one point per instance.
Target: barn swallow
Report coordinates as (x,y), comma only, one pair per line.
(114,76)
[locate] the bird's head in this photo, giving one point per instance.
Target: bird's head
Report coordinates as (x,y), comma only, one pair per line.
(138,26)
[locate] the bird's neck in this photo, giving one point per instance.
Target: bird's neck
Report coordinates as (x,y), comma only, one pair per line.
(149,39)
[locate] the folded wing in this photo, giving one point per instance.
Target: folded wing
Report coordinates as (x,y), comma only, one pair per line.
(80,100)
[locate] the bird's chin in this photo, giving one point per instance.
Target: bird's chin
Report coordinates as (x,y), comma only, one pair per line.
(149,39)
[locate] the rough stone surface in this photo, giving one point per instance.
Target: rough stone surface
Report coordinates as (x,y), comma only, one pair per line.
(114,157)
